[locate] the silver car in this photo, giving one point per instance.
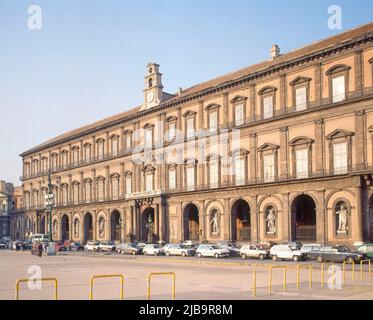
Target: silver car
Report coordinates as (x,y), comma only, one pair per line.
(211,250)
(254,251)
(153,249)
(179,250)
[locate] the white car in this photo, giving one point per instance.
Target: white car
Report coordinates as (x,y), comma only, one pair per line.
(189,243)
(179,250)
(153,249)
(310,247)
(211,250)
(92,246)
(254,251)
(285,252)
(106,246)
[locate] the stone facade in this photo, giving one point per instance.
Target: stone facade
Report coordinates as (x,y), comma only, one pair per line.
(282,150)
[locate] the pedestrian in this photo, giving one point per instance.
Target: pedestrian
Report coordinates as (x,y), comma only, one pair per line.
(40,250)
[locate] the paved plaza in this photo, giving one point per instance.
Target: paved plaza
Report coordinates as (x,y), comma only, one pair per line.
(209,279)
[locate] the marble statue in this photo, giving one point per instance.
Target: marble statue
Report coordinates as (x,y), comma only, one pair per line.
(271,221)
(102,226)
(215,223)
(76,227)
(342,219)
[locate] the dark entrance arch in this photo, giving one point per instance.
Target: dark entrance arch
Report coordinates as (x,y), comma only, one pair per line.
(65,228)
(148,226)
(88,227)
(115,224)
(303,219)
(42,225)
(241,224)
(191,222)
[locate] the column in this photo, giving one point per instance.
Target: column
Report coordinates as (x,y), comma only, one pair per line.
(129,222)
(252,106)
(283,93)
(121,139)
(225,109)
(93,147)
(254,219)
(360,140)
(81,151)
(81,190)
(201,113)
(180,168)
(70,190)
(162,208)
(156,222)
(284,154)
(70,155)
(286,216)
(318,84)
(253,157)
(107,142)
(359,79)
(179,122)
(122,181)
(107,182)
(94,225)
(321,219)
(357,220)
(93,185)
(319,148)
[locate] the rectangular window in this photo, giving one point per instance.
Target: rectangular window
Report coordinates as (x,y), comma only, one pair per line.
(269,168)
(172,179)
(239,171)
(238,114)
(35,199)
(115,189)
(149,182)
(190,178)
(171,131)
(100,150)
(64,196)
(340,158)
(88,192)
(64,159)
(339,89)
(128,141)
(114,147)
(128,185)
(301,158)
(213,121)
(100,190)
(76,194)
(190,127)
(267,107)
(148,138)
(87,153)
(301,99)
(76,156)
(214,174)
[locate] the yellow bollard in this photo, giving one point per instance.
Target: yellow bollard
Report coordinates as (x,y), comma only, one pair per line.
(343,272)
(254,283)
(284,285)
(270,281)
(322,275)
(105,276)
(353,271)
(54,280)
(333,274)
(361,270)
(310,280)
(298,267)
(173,277)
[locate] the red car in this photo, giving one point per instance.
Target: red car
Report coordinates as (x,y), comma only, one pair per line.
(60,246)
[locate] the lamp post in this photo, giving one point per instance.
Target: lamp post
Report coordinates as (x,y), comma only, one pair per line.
(49,203)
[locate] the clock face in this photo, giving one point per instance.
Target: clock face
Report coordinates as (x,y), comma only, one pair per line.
(150,96)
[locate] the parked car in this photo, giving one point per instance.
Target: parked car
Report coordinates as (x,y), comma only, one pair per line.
(190,243)
(367,250)
(153,249)
(2,245)
(106,246)
(335,254)
(294,244)
(179,250)
(76,246)
(59,246)
(309,247)
(254,251)
(92,246)
(234,251)
(286,252)
(211,250)
(129,248)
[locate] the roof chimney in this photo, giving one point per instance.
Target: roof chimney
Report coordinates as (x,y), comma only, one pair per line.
(275,51)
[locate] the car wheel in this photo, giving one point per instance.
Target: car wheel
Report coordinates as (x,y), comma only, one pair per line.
(243,256)
(155,253)
(199,255)
(167,254)
(122,252)
(145,253)
(350,260)
(274,258)
(216,255)
(261,257)
(319,259)
(183,254)
(295,258)
(133,253)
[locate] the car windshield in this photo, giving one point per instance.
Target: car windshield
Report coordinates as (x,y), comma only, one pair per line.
(343,249)
(214,246)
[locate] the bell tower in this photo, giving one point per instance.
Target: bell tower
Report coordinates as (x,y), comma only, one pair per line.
(153,92)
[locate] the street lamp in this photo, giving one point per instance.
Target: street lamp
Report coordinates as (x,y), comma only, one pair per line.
(49,203)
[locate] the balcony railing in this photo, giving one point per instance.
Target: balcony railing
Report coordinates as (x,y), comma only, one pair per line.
(200,133)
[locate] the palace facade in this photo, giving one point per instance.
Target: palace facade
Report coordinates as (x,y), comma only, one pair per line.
(278,151)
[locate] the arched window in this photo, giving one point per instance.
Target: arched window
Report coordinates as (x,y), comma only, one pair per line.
(338,82)
(150,83)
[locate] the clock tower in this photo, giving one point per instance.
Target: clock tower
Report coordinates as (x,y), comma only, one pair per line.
(153,93)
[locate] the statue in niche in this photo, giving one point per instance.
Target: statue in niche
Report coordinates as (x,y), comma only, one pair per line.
(215,223)
(342,215)
(102,227)
(150,226)
(76,227)
(271,220)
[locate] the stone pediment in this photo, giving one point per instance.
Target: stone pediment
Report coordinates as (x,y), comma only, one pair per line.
(339,133)
(299,80)
(300,140)
(268,146)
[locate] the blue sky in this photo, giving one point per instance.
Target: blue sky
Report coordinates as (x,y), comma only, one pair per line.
(89,59)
